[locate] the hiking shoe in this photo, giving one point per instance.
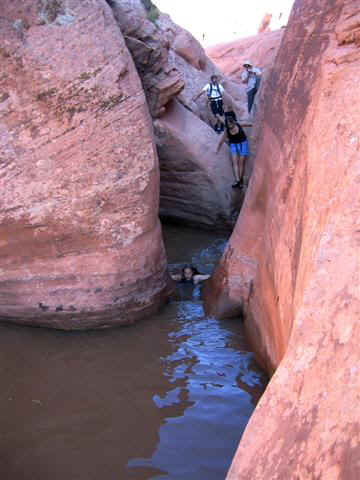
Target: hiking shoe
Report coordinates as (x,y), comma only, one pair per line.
(236,184)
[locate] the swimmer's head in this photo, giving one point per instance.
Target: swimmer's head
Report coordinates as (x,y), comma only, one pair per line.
(188,272)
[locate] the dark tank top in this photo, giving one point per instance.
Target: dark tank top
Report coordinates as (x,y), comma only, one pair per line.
(237,137)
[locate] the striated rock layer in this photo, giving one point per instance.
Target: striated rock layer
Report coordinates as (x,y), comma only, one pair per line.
(292,266)
(191,171)
(173,68)
(80,241)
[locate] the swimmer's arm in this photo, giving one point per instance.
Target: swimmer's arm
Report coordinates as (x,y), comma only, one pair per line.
(221,141)
(199,278)
(176,276)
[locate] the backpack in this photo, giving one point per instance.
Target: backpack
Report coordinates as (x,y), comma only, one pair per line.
(211,89)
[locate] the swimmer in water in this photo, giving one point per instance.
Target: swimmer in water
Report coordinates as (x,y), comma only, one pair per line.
(189,274)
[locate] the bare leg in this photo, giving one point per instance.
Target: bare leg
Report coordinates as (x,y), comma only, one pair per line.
(241,163)
(219,120)
(235,165)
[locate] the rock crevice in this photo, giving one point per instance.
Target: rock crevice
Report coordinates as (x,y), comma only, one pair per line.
(80,239)
(292,265)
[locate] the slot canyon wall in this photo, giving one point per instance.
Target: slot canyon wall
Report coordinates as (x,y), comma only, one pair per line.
(195,186)
(261,50)
(80,239)
(292,266)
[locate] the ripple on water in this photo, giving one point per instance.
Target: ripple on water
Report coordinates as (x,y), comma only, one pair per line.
(167,398)
(207,377)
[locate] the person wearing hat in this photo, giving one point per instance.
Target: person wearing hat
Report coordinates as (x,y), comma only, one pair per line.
(251,76)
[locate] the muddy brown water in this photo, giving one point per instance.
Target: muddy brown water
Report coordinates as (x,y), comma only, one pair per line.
(167,398)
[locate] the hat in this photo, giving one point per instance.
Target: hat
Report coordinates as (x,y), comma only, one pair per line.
(247,62)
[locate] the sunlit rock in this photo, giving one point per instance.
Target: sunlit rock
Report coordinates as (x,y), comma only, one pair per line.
(80,242)
(292,266)
(174,67)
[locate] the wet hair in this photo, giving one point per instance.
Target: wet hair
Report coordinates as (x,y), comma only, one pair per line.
(194,270)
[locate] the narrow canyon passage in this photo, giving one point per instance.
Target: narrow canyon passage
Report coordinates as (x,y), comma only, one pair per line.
(167,398)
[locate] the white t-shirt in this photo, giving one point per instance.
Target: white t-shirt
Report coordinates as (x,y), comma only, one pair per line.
(215,92)
(250,77)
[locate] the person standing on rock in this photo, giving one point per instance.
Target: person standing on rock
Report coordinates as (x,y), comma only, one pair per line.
(214,91)
(238,146)
(251,76)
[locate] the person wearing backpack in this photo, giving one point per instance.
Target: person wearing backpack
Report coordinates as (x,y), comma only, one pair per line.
(252,77)
(214,91)
(238,146)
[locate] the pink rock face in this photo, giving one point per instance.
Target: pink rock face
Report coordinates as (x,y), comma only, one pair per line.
(229,58)
(293,263)
(149,47)
(173,65)
(80,242)
(192,172)
(265,22)
(190,50)
(261,49)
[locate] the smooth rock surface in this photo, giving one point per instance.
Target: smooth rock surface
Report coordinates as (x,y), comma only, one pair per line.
(229,57)
(80,241)
(174,67)
(192,175)
(261,49)
(292,266)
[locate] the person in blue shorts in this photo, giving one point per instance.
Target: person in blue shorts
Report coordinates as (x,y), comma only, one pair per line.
(238,146)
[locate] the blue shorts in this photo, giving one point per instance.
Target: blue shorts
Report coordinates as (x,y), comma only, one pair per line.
(242,149)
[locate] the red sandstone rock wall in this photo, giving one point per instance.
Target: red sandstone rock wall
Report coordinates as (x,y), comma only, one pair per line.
(293,262)
(174,67)
(229,57)
(191,171)
(261,49)
(265,22)
(80,241)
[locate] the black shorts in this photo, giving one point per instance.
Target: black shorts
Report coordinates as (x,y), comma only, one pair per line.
(217,107)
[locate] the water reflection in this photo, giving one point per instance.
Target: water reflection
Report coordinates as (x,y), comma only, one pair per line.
(167,398)
(204,371)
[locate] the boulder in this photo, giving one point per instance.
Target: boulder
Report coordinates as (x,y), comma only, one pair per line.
(265,22)
(292,266)
(195,182)
(80,241)
(261,49)
(190,50)
(174,67)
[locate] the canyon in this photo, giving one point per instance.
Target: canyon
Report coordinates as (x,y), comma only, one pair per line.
(99,135)
(80,238)
(292,265)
